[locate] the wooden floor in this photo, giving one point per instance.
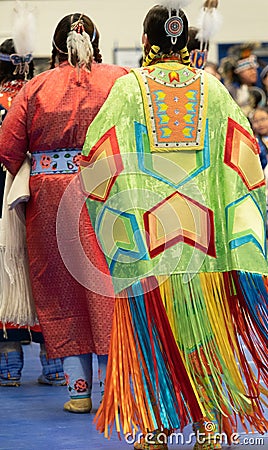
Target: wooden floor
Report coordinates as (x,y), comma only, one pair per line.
(32,418)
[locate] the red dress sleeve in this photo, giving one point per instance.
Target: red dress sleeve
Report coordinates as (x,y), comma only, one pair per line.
(13,134)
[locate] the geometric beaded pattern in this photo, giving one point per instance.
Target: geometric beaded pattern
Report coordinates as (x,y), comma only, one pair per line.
(175,107)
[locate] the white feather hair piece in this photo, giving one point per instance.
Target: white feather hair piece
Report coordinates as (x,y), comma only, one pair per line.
(208,22)
(79,45)
(175,4)
(24,28)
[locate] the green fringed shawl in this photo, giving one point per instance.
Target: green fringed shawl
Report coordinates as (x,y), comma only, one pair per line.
(177,199)
(162,209)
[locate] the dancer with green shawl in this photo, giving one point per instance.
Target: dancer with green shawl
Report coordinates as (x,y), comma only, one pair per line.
(176,195)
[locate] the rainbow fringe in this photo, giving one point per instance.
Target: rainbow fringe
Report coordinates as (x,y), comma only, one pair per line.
(178,352)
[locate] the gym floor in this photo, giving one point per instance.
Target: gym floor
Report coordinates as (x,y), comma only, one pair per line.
(32,418)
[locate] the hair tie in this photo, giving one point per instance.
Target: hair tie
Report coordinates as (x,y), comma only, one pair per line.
(78,25)
(185,57)
(4,57)
(94,33)
(151,55)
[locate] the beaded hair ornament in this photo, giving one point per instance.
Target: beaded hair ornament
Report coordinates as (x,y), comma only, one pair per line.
(23,41)
(79,44)
(174,24)
(173,27)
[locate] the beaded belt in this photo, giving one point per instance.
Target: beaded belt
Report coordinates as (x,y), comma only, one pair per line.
(64,160)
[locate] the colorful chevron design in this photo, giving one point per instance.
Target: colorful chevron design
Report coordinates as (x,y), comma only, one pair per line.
(242,155)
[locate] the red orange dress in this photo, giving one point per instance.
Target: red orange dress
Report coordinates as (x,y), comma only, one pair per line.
(49,118)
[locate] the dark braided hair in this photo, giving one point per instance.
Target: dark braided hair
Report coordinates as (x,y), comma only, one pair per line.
(7,67)
(60,51)
(153,26)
